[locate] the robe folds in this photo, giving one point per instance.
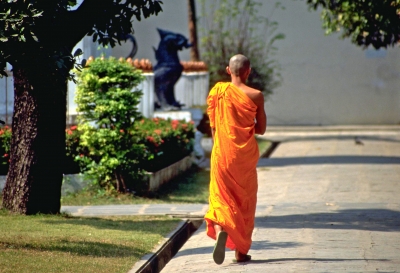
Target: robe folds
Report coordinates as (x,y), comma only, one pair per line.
(233,177)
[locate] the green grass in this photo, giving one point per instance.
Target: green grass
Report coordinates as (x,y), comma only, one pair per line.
(61,243)
(263,145)
(190,187)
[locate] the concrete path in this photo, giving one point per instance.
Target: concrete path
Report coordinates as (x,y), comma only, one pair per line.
(325,204)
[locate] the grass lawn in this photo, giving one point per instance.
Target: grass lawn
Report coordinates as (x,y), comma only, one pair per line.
(62,243)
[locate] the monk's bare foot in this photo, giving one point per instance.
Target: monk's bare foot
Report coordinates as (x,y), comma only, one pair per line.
(241,258)
(217,228)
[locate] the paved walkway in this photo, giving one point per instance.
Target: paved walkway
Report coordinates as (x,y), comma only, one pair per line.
(325,204)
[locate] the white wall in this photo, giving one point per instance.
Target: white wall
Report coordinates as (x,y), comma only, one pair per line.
(174,17)
(326,81)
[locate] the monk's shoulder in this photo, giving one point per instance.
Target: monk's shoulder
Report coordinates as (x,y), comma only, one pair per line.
(254,94)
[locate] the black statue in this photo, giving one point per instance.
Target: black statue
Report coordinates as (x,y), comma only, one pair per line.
(168,68)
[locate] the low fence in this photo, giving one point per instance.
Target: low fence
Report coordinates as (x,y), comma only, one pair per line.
(191,90)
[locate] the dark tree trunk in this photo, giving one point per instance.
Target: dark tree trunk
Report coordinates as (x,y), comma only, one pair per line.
(38,143)
(194,50)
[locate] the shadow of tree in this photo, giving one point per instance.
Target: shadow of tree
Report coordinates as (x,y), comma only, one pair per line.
(362,136)
(355,219)
(150,225)
(256,246)
(282,260)
(316,160)
(80,248)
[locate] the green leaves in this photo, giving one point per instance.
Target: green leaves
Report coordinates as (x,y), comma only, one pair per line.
(375,23)
(115,22)
(105,98)
(235,26)
(41,28)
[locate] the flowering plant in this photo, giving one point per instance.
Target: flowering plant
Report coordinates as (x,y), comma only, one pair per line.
(5,148)
(166,141)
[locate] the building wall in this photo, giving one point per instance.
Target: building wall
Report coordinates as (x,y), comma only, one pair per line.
(326,81)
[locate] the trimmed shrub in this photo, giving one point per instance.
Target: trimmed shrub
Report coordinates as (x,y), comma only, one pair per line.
(114,149)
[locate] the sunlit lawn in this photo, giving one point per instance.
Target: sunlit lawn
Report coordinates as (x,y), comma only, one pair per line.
(44,243)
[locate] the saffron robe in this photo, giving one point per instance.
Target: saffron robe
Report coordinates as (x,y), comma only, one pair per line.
(233,178)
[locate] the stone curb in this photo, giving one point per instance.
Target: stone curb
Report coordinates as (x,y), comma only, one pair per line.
(155,261)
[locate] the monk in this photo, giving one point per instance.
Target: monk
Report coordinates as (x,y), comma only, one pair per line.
(236,114)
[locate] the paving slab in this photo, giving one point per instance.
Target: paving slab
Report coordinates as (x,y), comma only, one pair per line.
(186,210)
(328,201)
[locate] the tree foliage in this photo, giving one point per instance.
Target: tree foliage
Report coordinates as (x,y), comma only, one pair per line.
(365,22)
(231,27)
(37,38)
(50,29)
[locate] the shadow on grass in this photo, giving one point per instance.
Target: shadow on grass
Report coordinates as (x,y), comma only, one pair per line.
(153,226)
(80,248)
(189,187)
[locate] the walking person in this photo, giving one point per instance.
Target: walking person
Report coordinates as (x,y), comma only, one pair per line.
(236,114)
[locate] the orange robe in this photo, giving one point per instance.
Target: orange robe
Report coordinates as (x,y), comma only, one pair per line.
(233,179)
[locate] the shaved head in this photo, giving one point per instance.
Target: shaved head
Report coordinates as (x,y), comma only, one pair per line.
(239,65)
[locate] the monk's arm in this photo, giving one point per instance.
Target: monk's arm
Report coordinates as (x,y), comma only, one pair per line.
(261,117)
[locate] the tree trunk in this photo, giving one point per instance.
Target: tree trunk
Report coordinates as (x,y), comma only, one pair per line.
(194,50)
(38,143)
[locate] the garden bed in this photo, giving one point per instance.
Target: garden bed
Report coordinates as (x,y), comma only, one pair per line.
(76,182)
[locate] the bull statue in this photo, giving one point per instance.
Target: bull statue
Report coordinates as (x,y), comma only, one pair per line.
(168,69)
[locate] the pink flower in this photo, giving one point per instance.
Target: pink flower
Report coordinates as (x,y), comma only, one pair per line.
(5,155)
(73,127)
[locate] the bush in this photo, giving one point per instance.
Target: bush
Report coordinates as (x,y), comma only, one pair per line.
(116,150)
(107,109)
(5,148)
(166,142)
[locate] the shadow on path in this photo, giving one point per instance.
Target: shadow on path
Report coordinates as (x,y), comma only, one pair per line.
(282,260)
(360,135)
(256,245)
(315,160)
(351,219)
